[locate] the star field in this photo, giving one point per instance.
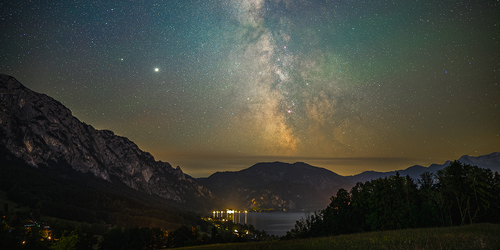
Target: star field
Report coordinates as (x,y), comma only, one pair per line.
(220,85)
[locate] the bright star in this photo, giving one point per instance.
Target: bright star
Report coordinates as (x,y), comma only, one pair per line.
(157,69)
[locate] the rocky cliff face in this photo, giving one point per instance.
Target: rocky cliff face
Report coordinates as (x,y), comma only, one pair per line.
(42,132)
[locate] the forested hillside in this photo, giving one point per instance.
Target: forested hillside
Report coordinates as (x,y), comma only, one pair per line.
(458,194)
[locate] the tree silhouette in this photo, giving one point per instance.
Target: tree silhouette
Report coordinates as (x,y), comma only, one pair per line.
(458,194)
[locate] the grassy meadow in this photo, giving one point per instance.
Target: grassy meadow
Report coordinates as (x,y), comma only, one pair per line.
(476,236)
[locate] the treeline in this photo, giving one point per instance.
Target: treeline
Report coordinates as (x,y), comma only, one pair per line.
(456,195)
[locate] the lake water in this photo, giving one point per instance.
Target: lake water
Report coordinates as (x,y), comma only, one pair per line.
(274,223)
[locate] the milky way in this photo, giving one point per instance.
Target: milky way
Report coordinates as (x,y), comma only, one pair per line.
(221,85)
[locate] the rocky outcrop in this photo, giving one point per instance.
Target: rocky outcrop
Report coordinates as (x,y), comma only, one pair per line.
(43,132)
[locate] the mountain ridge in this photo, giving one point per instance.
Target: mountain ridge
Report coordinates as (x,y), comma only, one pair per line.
(43,132)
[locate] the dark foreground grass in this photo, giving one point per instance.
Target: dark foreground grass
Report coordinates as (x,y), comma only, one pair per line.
(477,236)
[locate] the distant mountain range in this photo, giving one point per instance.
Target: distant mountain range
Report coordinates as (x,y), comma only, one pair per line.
(38,131)
(44,134)
(299,186)
(491,161)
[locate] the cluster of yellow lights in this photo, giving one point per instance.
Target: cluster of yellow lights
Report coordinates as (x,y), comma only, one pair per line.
(230,214)
(229,211)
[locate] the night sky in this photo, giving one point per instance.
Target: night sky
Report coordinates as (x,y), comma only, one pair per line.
(221,85)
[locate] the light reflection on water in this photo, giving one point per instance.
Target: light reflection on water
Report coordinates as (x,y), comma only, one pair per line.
(275,223)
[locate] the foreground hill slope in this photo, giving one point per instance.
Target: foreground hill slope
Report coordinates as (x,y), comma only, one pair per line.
(43,133)
(473,237)
(277,186)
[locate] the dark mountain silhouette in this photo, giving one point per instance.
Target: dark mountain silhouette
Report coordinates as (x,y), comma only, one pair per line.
(491,161)
(42,132)
(279,186)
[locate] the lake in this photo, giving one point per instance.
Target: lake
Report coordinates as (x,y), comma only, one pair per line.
(275,223)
